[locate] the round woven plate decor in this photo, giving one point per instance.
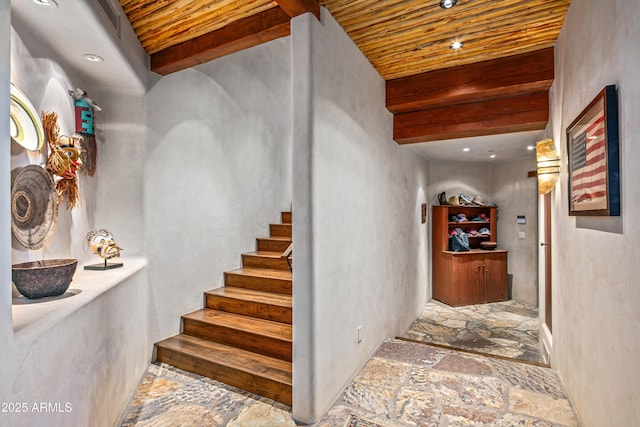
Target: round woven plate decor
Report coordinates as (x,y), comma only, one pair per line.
(34,207)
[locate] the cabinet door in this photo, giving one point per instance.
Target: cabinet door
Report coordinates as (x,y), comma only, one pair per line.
(468,279)
(495,272)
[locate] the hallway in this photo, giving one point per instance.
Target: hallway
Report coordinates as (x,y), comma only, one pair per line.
(403,384)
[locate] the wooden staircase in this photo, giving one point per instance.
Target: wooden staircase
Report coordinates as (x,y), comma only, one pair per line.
(243,335)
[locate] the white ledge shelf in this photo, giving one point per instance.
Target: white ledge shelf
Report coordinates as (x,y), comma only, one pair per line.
(31,318)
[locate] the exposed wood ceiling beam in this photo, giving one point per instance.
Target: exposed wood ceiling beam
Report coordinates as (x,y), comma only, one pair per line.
(523,113)
(248,32)
(499,78)
(294,8)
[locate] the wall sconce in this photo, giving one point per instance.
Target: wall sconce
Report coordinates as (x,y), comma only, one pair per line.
(548,165)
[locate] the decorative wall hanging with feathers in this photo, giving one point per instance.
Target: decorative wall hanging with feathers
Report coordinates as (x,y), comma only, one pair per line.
(64,159)
(85,129)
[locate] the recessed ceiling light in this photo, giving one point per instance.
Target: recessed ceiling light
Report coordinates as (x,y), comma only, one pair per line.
(466,149)
(456,45)
(46,3)
(493,156)
(93,58)
(447,4)
(530,147)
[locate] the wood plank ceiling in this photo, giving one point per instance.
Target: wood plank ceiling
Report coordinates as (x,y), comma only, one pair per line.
(407,41)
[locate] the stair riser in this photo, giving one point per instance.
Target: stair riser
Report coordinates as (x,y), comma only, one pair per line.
(280,230)
(286,217)
(254,261)
(249,382)
(258,283)
(272,245)
(249,308)
(272,347)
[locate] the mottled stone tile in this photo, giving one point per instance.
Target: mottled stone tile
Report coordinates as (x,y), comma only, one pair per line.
(532,356)
(517,420)
(460,389)
(465,364)
(448,313)
(433,329)
(477,312)
(152,388)
(541,406)
(383,373)
(518,335)
(411,353)
(501,322)
(468,416)
(536,379)
(475,343)
(457,421)
(485,333)
(262,415)
(419,376)
(184,415)
(454,323)
(415,335)
(514,353)
(374,400)
(530,325)
(416,407)
(520,309)
(337,415)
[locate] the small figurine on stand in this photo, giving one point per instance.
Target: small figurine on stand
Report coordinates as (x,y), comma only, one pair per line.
(101,243)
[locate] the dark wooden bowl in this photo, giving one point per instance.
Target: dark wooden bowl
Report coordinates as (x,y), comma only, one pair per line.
(46,278)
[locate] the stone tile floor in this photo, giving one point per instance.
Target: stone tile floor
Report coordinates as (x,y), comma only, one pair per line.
(508,329)
(412,384)
(168,396)
(403,384)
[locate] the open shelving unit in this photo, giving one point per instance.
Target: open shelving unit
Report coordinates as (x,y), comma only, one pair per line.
(472,277)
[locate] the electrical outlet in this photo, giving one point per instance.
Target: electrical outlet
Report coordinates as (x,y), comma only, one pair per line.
(359,334)
(520,234)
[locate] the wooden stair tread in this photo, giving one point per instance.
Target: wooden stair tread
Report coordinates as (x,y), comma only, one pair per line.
(265,254)
(241,360)
(262,272)
(281,300)
(268,328)
(279,238)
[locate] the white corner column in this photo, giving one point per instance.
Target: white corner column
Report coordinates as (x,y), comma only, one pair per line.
(5,176)
(304,384)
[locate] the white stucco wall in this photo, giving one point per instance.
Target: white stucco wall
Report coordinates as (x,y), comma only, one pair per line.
(6,329)
(596,285)
(218,171)
(120,141)
(455,178)
(84,358)
(360,250)
(516,194)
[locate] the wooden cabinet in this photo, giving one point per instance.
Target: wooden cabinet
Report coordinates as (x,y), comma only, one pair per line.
(473,277)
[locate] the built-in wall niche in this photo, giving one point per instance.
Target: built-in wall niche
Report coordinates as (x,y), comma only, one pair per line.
(35,316)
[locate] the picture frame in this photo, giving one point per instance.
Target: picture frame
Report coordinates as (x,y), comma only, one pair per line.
(593,158)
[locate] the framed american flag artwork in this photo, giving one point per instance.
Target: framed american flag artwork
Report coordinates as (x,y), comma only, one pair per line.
(592,147)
